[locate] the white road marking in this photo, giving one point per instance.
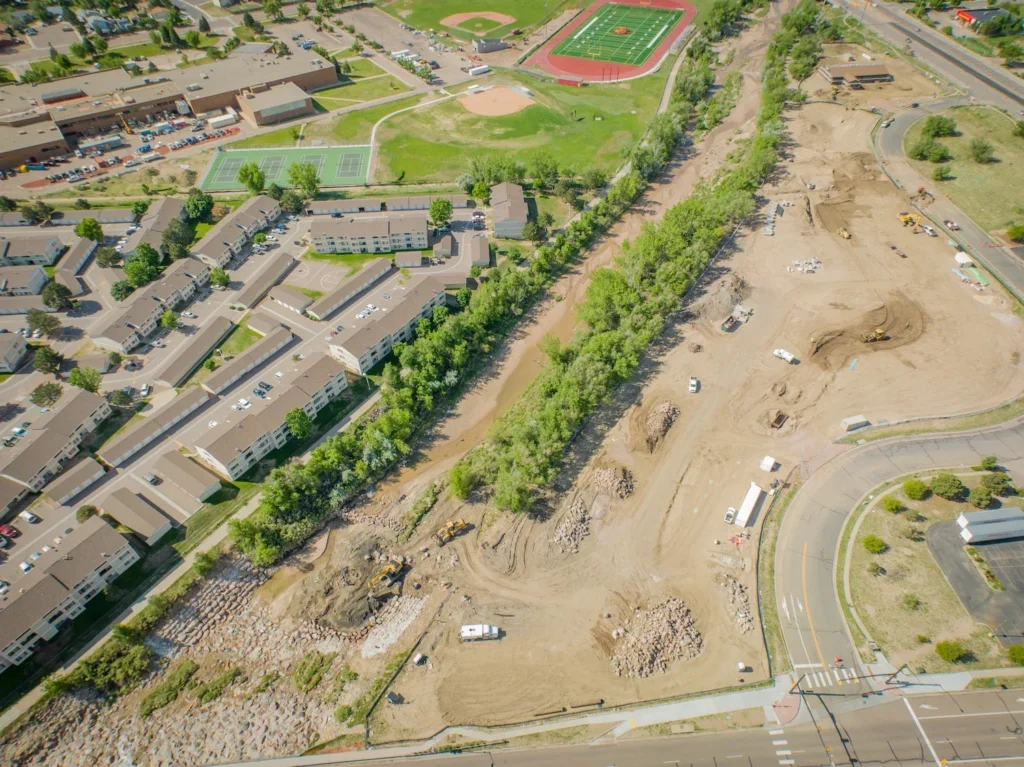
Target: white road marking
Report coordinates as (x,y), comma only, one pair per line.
(923,734)
(780,742)
(930,708)
(783,753)
(958,716)
(806,665)
(786,761)
(992,759)
(775,732)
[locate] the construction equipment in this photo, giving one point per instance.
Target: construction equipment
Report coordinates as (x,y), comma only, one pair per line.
(450,530)
(842,232)
(876,335)
(779,419)
(911,219)
(389,574)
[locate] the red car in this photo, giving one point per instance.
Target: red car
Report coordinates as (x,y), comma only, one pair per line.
(10,532)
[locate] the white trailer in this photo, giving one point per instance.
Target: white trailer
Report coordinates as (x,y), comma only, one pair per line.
(782,354)
(481,70)
(399,54)
(989,516)
(223,121)
(747,507)
(999,531)
(478,632)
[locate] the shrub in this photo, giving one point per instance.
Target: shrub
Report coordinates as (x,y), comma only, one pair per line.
(84,512)
(947,486)
(874,544)
(980,497)
(167,691)
(915,489)
(912,533)
(210,691)
(876,569)
(893,505)
(923,639)
(1016,232)
(911,602)
(937,125)
(342,713)
(1016,654)
(982,151)
(204,562)
(998,482)
(311,669)
(988,463)
(951,651)
(942,173)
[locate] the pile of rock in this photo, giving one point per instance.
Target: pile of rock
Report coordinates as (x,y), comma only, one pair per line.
(660,421)
(739,605)
(391,623)
(615,481)
(574,527)
(655,638)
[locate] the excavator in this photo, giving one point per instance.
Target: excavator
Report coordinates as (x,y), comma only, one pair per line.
(388,575)
(876,335)
(911,219)
(843,233)
(449,531)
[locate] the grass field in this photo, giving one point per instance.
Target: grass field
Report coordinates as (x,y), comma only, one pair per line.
(975,187)
(311,293)
(338,166)
(427,14)
(354,127)
(357,92)
(436,143)
(597,39)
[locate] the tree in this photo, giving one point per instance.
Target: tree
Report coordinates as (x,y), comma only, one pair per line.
(915,489)
(275,191)
(982,151)
(193,38)
(942,173)
(989,463)
(951,651)
(546,219)
(1016,232)
(299,423)
(302,10)
(892,504)
(57,296)
(980,497)
(210,364)
(593,178)
(7,204)
(42,321)
(252,178)
(121,289)
(169,320)
(86,378)
(46,360)
(1016,654)
(947,486)
(482,192)
(204,25)
(259,238)
(292,203)
(115,358)
(875,545)
(198,204)
(204,562)
(273,9)
(998,483)
(441,211)
(107,257)
(1012,52)
(1018,129)
(533,232)
(84,513)
(36,211)
(304,176)
(544,170)
(219,277)
(566,191)
(515,254)
(937,125)
(176,239)
(121,398)
(248,21)
(460,481)
(99,45)
(139,272)
(82,204)
(90,229)
(139,207)
(46,394)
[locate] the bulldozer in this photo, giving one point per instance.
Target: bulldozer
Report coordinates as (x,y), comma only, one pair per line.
(843,233)
(449,531)
(876,335)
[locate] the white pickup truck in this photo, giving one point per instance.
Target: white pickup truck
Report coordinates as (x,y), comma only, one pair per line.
(782,354)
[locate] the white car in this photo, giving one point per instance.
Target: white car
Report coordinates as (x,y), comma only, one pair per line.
(693,385)
(730,515)
(4,588)
(246,404)
(271,238)
(371,307)
(29,517)
(190,315)
(25,567)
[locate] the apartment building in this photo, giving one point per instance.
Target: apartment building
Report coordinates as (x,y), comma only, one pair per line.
(371,234)
(86,472)
(229,236)
(196,481)
(509,212)
(177,285)
(153,224)
(360,347)
(22,280)
(423,202)
(137,514)
(21,251)
(238,444)
(13,348)
(290,299)
(119,449)
(76,256)
(64,580)
(261,351)
(340,207)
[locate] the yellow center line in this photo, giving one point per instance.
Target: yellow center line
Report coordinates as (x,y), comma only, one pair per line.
(807,607)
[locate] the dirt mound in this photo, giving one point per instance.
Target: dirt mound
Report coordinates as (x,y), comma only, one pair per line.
(657,423)
(655,638)
(900,320)
(720,298)
(615,481)
(574,527)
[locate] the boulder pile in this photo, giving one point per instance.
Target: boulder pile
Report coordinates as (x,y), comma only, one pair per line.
(655,638)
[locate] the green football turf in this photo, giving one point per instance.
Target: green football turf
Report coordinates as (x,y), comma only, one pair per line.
(337,165)
(596,39)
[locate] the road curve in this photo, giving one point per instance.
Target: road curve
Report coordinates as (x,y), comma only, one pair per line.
(812,619)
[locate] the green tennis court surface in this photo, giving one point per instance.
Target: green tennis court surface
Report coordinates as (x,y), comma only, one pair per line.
(620,34)
(336,165)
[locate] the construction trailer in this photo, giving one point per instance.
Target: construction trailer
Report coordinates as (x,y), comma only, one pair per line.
(989,517)
(854,422)
(991,533)
(478,632)
(782,354)
(748,505)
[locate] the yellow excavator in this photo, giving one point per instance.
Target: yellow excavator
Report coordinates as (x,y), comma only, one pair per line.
(911,219)
(876,335)
(843,233)
(449,531)
(389,574)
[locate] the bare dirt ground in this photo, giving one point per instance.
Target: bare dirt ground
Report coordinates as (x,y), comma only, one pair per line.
(908,83)
(495,102)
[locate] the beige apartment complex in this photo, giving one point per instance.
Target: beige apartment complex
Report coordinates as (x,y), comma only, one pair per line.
(371,234)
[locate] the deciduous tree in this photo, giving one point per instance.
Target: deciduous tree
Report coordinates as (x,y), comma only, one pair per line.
(46,394)
(251,177)
(86,378)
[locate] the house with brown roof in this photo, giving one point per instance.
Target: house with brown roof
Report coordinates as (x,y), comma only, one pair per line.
(137,514)
(509,212)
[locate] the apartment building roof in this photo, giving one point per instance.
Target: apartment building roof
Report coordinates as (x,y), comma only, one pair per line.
(367,204)
(101,215)
(70,411)
(359,339)
(154,424)
(83,549)
(19,247)
(9,490)
(290,297)
(154,222)
(75,254)
(133,511)
(400,222)
(67,278)
(216,242)
(424,201)
(262,323)
(192,354)
(508,203)
(252,293)
(477,248)
(14,218)
(37,595)
(71,478)
(221,378)
(142,304)
(7,340)
(18,277)
(330,301)
(185,473)
(21,304)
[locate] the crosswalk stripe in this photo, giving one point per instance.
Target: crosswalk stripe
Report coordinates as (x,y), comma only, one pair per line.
(786,761)
(775,732)
(783,753)
(780,742)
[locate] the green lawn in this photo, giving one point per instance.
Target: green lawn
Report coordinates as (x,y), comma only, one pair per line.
(427,14)
(244,34)
(436,143)
(238,340)
(991,194)
(355,127)
(355,92)
(201,229)
(360,67)
(354,261)
(221,506)
(280,137)
(307,292)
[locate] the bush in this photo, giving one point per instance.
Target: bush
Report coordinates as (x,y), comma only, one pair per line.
(342,713)
(893,505)
(167,691)
(942,173)
(915,489)
(1016,654)
(982,151)
(911,602)
(931,150)
(937,125)
(875,545)
(311,669)
(949,487)
(951,651)
(980,497)
(989,463)
(85,512)
(204,562)
(876,569)
(923,639)
(998,482)
(1016,232)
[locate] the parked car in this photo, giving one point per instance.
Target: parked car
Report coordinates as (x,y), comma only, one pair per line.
(4,543)
(265,386)
(29,517)
(25,567)
(693,385)
(150,478)
(10,532)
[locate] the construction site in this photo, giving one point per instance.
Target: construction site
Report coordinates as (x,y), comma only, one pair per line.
(627,584)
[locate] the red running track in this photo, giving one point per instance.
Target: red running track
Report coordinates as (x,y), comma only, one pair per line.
(603,71)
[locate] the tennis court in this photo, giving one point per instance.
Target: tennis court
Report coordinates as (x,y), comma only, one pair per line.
(336,165)
(620,34)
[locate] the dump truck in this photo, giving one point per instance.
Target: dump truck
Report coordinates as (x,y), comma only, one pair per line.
(478,632)
(875,335)
(729,324)
(782,354)
(450,530)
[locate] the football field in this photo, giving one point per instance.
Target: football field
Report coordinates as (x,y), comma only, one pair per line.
(336,166)
(620,34)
